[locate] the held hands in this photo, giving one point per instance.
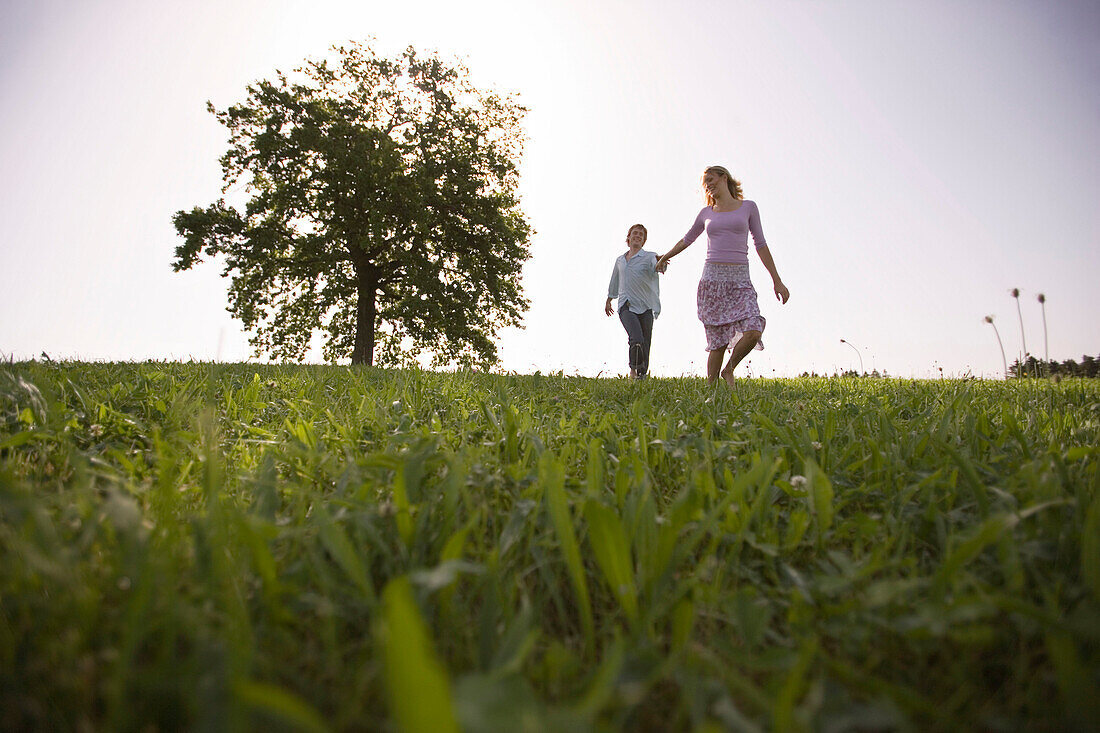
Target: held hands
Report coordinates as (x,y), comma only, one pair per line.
(781,292)
(662,263)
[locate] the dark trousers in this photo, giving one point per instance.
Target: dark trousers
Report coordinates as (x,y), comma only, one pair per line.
(639,335)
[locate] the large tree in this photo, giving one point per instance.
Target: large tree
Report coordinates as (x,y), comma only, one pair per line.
(377,204)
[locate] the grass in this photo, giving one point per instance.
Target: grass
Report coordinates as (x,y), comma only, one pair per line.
(326,548)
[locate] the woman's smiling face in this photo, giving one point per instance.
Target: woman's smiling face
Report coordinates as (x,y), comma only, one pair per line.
(714,182)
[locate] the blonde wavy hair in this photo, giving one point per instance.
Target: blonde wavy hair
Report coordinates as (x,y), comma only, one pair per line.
(733,184)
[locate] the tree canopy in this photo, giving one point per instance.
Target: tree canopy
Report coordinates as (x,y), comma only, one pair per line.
(381,211)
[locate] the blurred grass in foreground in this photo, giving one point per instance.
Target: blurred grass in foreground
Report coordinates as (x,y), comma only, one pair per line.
(326,548)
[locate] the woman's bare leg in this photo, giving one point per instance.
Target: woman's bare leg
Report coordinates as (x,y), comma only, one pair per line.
(714,364)
(740,350)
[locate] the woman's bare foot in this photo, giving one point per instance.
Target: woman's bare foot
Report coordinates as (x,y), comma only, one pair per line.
(727,374)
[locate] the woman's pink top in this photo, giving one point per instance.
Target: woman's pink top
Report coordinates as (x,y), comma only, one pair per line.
(728,232)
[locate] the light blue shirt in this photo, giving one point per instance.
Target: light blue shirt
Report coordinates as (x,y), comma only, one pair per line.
(635,281)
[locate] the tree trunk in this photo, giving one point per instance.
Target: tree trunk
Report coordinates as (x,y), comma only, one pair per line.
(366,312)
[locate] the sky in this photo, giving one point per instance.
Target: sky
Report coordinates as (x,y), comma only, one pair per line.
(912,162)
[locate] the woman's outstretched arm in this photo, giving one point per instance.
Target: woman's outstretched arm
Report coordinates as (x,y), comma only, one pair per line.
(663,259)
(781,291)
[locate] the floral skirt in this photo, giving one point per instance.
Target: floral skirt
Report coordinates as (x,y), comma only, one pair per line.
(727,305)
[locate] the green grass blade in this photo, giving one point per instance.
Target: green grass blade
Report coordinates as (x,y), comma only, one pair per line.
(403,516)
(336,541)
(612,551)
(552,477)
(965,551)
(416,681)
(1090,548)
(284,706)
(821,492)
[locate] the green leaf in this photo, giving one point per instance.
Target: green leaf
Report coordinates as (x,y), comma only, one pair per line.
(443,574)
(1076,683)
(1078,452)
(683,621)
(490,704)
(797,525)
(609,543)
(456,543)
(821,495)
(403,516)
(22,438)
(281,705)
(603,681)
(261,554)
(595,467)
(336,541)
(552,478)
(516,643)
(1090,548)
(793,688)
(752,615)
(986,534)
(416,682)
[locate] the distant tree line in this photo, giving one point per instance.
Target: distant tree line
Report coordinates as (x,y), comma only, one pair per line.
(873,374)
(1089,366)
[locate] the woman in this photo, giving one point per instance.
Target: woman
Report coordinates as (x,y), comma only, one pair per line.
(726,298)
(634,282)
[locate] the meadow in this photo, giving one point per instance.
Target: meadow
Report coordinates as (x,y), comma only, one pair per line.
(230,547)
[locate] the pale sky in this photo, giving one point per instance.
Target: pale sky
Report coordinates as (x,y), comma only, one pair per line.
(912,162)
